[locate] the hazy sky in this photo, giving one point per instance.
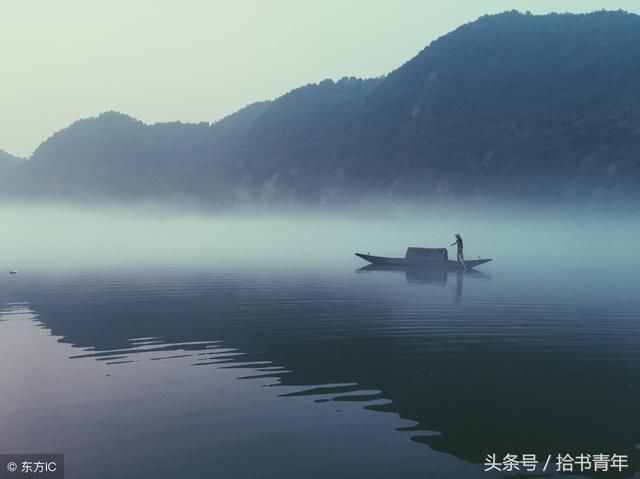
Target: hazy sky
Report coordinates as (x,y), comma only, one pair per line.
(199,60)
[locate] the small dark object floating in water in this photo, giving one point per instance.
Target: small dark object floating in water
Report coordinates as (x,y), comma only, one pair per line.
(13,271)
(424,258)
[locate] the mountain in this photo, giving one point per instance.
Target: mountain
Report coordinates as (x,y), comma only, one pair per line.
(512,104)
(10,172)
(509,106)
(7,160)
(116,156)
(235,160)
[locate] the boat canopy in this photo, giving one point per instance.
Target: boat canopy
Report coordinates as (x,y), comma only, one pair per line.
(429,254)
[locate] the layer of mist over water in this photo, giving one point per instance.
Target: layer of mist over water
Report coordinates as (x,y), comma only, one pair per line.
(74,238)
(150,343)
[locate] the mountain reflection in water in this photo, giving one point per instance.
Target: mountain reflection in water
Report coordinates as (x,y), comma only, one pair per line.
(474,363)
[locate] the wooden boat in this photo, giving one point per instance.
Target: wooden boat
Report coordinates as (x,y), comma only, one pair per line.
(436,258)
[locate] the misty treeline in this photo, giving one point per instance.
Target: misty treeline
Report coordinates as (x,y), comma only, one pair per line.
(511,106)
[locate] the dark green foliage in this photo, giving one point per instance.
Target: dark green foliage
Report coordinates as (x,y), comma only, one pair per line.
(511,105)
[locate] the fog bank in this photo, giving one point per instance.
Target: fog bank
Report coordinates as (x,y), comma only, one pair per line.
(42,237)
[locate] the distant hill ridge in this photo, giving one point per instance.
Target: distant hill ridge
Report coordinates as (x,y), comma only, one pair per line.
(509,106)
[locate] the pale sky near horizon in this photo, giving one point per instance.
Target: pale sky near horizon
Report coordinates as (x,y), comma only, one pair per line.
(199,60)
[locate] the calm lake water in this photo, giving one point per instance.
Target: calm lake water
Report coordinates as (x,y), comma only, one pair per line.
(319,370)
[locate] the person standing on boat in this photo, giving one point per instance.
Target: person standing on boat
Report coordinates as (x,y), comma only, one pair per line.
(459,243)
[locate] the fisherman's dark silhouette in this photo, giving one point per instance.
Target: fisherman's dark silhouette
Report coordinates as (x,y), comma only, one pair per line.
(460,247)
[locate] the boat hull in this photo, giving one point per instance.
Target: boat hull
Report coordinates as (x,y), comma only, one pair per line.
(422,263)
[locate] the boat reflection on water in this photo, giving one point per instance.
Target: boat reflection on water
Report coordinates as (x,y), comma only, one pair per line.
(428,275)
(413,275)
